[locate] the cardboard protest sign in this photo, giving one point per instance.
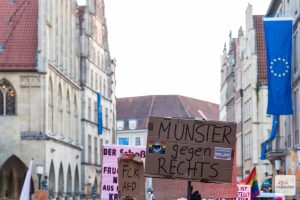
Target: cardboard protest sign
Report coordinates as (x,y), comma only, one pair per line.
(111,153)
(190,149)
(131,180)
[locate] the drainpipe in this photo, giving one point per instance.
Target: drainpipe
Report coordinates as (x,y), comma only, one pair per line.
(242,133)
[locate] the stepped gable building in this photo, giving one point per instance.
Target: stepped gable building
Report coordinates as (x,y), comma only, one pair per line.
(97,77)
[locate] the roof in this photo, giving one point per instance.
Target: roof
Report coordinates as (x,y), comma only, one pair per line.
(141,107)
(260,48)
(18,34)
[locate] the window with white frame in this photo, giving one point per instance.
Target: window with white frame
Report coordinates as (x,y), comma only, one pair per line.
(132,124)
(295,51)
(89,109)
(296,116)
(247,76)
(106,117)
(92,79)
(95,112)
(89,149)
(120,125)
(248,145)
(96,150)
(137,141)
(248,109)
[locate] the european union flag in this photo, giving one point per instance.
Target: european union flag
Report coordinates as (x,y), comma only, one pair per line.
(278,35)
(100,123)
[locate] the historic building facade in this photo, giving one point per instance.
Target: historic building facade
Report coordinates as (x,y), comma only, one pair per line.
(244,73)
(285,148)
(97,76)
(44,110)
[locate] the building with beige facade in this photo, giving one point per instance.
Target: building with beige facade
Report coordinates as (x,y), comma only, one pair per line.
(97,76)
(284,150)
(44,96)
(247,86)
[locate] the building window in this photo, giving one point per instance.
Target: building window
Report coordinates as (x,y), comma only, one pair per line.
(92,79)
(106,117)
(89,109)
(89,149)
(295,52)
(96,77)
(247,77)
(247,109)
(124,141)
(76,120)
(95,112)
(100,84)
(50,105)
(96,150)
(132,124)
(104,88)
(68,112)
(60,110)
(7,98)
(120,125)
(248,145)
(137,141)
(296,116)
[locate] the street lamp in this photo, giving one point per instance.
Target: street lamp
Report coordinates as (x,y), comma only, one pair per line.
(39,170)
(277,166)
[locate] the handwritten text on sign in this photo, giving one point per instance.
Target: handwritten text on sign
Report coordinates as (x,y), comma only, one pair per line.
(244,192)
(111,153)
(190,149)
(131,177)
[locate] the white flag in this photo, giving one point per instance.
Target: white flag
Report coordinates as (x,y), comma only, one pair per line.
(25,194)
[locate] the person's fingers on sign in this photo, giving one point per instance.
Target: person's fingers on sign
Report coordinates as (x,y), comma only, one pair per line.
(195,195)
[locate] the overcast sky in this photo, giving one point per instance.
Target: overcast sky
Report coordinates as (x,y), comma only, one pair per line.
(173,46)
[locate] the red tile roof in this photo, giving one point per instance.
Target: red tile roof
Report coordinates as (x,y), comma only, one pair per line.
(18,34)
(261,48)
(139,108)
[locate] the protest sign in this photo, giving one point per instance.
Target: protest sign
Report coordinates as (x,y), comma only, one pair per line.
(190,149)
(111,153)
(285,184)
(244,192)
(131,180)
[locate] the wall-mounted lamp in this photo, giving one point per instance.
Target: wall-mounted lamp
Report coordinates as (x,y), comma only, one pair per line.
(277,166)
(298,156)
(39,171)
(266,168)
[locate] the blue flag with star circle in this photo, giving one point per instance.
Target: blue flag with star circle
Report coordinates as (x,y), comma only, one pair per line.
(278,36)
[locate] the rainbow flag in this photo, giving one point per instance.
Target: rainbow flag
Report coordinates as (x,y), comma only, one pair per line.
(251,180)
